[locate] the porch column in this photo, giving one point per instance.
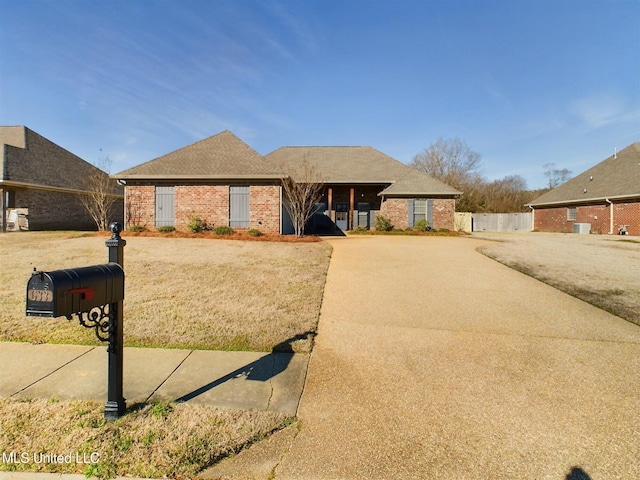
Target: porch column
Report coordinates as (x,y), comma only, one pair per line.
(351,207)
(330,202)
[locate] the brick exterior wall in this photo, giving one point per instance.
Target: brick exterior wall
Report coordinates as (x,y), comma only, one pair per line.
(209,202)
(55,178)
(139,207)
(596,215)
(444,213)
(264,208)
(627,213)
(552,220)
(397,211)
(624,213)
(51,210)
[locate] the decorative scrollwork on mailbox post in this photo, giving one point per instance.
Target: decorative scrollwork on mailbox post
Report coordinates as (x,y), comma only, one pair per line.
(95,295)
(100,319)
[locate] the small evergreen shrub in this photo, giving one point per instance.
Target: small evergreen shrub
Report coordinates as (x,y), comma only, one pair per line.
(254,232)
(383,224)
(137,228)
(443,230)
(196,224)
(421,225)
(167,229)
(223,230)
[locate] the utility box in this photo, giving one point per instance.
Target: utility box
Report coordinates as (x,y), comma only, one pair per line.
(582,228)
(61,293)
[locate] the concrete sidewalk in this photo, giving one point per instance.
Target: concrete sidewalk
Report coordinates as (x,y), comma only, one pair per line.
(434,361)
(243,380)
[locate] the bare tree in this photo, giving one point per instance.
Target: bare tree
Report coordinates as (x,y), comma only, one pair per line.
(451,161)
(556,176)
(302,187)
(100,193)
(507,195)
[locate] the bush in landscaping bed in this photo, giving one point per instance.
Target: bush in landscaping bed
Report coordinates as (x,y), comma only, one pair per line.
(223,230)
(383,224)
(167,229)
(254,232)
(421,225)
(197,224)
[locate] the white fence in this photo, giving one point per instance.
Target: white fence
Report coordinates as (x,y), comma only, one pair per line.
(502,222)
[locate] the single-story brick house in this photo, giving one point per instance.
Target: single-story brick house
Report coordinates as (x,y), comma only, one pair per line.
(225,182)
(607,196)
(41,184)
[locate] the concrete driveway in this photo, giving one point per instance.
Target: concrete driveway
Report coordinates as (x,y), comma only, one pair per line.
(434,361)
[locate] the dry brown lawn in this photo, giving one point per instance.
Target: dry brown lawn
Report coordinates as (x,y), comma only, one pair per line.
(603,270)
(156,441)
(196,293)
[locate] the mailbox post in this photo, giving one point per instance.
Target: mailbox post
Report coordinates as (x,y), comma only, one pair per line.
(95,295)
(116,405)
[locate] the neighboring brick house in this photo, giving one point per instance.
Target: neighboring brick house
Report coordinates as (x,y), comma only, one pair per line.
(607,197)
(43,182)
(225,182)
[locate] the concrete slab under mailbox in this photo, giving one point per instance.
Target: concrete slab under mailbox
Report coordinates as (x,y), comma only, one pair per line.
(243,380)
(23,364)
(86,377)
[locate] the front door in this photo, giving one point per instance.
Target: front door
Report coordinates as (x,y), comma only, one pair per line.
(342,216)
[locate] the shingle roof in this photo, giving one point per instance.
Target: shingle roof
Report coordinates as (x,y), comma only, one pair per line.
(616,177)
(225,156)
(359,165)
(222,156)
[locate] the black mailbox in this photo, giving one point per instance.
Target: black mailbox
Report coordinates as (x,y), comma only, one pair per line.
(62,293)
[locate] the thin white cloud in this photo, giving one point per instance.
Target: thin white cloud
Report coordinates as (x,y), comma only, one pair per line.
(601,110)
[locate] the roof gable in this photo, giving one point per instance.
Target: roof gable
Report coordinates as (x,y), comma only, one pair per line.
(615,177)
(220,156)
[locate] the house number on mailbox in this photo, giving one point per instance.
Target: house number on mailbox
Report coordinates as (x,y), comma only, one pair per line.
(40,295)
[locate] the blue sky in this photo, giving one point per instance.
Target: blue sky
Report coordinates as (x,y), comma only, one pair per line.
(524,83)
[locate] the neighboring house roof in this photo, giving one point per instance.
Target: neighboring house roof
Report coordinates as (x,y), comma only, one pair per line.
(617,177)
(222,156)
(358,165)
(29,160)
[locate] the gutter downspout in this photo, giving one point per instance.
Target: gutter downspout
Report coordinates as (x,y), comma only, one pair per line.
(533,218)
(610,215)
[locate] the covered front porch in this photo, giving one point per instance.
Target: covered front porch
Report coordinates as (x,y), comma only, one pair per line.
(346,207)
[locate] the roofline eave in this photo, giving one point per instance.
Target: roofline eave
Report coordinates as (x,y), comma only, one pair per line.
(267,176)
(585,200)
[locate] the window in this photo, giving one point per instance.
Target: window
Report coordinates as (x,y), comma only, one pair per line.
(571,214)
(239,206)
(419,210)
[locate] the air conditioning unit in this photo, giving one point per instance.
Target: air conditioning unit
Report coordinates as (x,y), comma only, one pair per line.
(582,228)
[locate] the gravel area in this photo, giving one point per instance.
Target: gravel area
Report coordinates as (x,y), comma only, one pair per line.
(603,270)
